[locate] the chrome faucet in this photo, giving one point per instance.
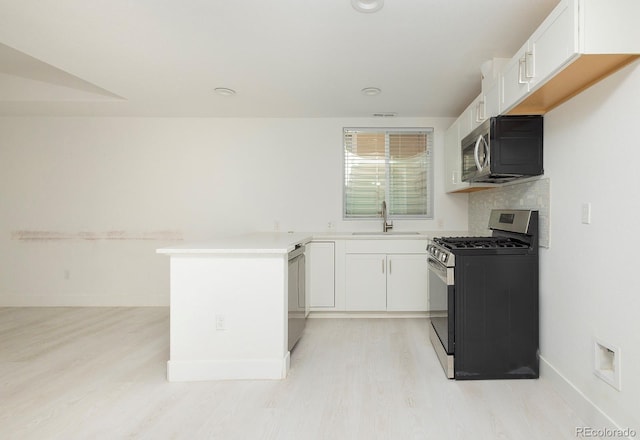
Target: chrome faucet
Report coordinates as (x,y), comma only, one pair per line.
(386,223)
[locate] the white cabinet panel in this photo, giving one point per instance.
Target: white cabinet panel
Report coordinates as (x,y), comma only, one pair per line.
(464,122)
(386,282)
(366,276)
(577,45)
(452,160)
(513,84)
(321,274)
(554,43)
(609,26)
(491,86)
(478,114)
(407,283)
(491,100)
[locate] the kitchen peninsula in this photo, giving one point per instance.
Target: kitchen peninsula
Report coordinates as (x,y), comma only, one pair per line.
(229,307)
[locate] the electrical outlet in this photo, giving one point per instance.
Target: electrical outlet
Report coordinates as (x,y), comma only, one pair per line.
(221,323)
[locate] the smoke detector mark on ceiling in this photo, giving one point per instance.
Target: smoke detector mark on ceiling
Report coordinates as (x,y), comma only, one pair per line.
(371,91)
(367,5)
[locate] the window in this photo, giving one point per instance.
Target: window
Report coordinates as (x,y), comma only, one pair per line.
(390,164)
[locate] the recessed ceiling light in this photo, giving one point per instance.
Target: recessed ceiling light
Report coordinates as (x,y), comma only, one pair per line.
(224,91)
(367,5)
(371,91)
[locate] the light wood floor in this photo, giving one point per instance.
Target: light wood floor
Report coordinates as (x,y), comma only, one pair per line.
(99,373)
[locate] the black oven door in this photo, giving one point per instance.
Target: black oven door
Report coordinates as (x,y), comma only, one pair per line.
(441,303)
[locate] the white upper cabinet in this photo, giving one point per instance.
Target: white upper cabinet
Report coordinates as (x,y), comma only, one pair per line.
(553,44)
(452,158)
(464,121)
(491,99)
(472,116)
(478,113)
(487,103)
(513,83)
(579,43)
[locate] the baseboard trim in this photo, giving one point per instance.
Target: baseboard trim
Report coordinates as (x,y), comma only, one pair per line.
(587,410)
(244,369)
(334,314)
(88,300)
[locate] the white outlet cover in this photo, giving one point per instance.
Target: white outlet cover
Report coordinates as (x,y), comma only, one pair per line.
(586,213)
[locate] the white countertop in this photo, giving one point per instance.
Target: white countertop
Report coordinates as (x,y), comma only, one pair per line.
(284,242)
(256,243)
(393,235)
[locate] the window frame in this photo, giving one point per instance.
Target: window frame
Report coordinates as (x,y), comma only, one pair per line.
(430,190)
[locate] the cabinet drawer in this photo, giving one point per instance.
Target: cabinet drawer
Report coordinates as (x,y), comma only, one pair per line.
(386,246)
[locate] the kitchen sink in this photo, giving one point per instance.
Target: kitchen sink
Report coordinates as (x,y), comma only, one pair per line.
(386,233)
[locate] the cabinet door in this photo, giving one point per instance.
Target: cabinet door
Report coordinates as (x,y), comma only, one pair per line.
(452,157)
(513,84)
(554,43)
(407,282)
(365,283)
(321,274)
(478,113)
(465,122)
(491,100)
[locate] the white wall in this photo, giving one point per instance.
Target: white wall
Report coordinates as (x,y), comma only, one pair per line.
(134,184)
(590,285)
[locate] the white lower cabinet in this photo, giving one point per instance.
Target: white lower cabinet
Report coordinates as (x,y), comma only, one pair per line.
(366,278)
(321,274)
(407,281)
(395,282)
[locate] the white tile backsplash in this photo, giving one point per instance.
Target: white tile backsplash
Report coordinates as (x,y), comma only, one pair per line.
(526,195)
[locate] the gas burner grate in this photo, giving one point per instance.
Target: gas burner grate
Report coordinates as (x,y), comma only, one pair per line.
(480,243)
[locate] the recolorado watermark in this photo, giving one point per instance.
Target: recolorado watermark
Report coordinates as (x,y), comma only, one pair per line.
(587,432)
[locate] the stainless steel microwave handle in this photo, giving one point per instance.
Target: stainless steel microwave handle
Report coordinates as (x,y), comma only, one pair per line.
(476,151)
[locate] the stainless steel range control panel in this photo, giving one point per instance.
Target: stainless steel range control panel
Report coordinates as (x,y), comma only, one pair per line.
(441,254)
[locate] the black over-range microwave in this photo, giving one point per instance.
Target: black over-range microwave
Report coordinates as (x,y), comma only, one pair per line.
(503,148)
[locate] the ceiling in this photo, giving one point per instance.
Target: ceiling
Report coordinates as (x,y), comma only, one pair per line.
(284,58)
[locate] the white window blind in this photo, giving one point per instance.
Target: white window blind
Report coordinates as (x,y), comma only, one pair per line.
(388,164)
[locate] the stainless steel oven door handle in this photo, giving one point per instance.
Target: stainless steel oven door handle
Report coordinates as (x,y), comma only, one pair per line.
(438,269)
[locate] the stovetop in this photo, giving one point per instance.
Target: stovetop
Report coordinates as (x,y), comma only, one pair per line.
(453,243)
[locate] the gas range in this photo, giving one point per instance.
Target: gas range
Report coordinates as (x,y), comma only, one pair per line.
(483,297)
(444,249)
(512,234)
